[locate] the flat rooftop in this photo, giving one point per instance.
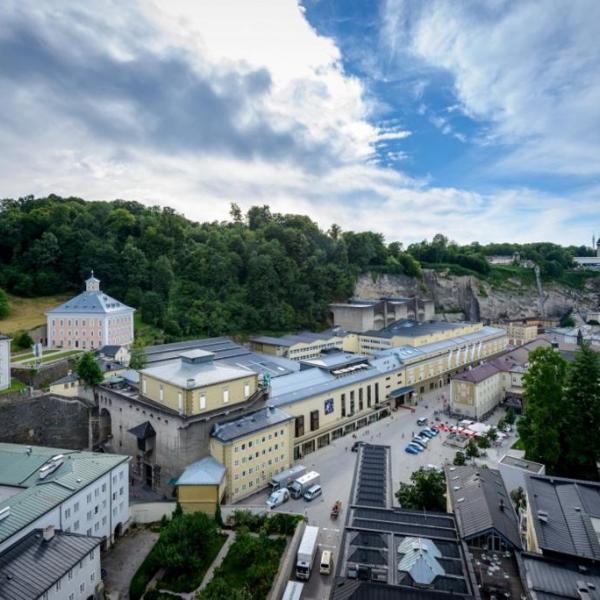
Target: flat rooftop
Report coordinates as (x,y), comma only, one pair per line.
(521,463)
(411,328)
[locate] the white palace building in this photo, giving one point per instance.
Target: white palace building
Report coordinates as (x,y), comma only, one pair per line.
(90,320)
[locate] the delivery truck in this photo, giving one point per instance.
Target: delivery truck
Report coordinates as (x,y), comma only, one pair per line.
(284,478)
(302,484)
(307,552)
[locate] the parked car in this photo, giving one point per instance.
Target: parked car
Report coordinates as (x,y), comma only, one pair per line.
(278,497)
(410,449)
(426,433)
(419,442)
(422,421)
(433,431)
(434,468)
(416,447)
(356,445)
(314,492)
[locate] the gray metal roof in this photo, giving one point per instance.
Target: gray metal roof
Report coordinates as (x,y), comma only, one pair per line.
(562,512)
(110,350)
(329,360)
(481,503)
(310,382)
(250,423)
(548,579)
(411,328)
(478,374)
(521,463)
(187,374)
(19,469)
(33,565)
(303,337)
(207,471)
(91,302)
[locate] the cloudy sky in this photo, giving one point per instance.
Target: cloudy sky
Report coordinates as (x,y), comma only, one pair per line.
(480,120)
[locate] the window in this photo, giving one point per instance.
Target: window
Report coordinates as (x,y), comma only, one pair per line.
(76,526)
(343,405)
(360,399)
(300,426)
(89,515)
(89,498)
(179,401)
(82,587)
(70,574)
(202,401)
(246,389)
(103,487)
(161,393)
(314,420)
(368,396)
(351,402)
(67,513)
(58,585)
(376,393)
(225,395)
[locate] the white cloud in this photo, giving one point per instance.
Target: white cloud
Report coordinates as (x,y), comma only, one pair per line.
(198,104)
(530,69)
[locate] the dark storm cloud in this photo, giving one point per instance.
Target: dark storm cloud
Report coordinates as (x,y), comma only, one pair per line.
(151,99)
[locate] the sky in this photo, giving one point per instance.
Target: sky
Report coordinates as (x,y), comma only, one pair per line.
(479,120)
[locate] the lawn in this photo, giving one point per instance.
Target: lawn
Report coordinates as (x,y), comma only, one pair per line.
(518,445)
(15,386)
(51,357)
(251,565)
(27,313)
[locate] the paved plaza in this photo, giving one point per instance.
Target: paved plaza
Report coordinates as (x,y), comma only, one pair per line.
(336,462)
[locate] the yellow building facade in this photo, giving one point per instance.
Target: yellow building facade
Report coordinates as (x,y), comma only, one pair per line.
(252,449)
(202,486)
(194,384)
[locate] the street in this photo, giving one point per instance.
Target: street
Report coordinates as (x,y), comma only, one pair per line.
(336,463)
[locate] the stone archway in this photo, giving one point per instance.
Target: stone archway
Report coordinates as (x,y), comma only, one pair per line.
(104,426)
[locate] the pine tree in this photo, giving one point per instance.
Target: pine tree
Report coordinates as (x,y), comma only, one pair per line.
(582,414)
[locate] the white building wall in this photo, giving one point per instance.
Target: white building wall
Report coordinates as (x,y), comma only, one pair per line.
(4,364)
(80,582)
(96,510)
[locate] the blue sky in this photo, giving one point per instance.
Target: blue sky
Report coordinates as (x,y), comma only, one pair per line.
(477,120)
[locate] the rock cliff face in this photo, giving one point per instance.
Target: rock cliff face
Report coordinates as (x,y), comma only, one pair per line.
(473,299)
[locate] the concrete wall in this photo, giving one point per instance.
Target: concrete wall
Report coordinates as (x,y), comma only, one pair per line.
(151,512)
(45,421)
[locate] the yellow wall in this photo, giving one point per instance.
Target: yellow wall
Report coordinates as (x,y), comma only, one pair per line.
(252,460)
(204,498)
(191,398)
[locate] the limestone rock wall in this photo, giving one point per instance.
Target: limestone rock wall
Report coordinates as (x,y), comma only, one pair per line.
(477,299)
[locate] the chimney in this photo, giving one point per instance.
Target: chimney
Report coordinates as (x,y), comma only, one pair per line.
(48,533)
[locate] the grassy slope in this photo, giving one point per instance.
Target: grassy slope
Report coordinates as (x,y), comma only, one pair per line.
(27,313)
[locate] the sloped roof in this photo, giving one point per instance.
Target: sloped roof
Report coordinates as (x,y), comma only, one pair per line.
(419,560)
(478,374)
(548,579)
(143,431)
(32,565)
(256,421)
(110,350)
(566,515)
(95,302)
(207,471)
(19,469)
(480,502)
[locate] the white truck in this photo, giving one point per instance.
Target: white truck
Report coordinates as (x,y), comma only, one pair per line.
(300,485)
(307,552)
(283,479)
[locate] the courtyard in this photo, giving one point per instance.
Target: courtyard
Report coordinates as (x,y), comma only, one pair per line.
(336,463)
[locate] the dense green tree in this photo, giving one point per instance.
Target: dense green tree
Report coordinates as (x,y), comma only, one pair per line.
(22,341)
(580,442)
(542,427)
(426,492)
(89,370)
(138,358)
(4,305)
(459,459)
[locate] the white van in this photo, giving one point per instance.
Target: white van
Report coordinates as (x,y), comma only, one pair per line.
(326,562)
(313,493)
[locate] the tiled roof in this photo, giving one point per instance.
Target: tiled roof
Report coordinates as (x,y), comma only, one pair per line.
(32,565)
(33,497)
(478,374)
(95,302)
(250,423)
(566,515)
(207,471)
(480,502)
(548,579)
